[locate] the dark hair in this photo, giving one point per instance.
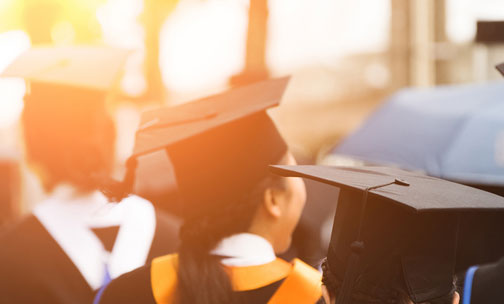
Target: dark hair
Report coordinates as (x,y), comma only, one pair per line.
(397,296)
(69,140)
(201,277)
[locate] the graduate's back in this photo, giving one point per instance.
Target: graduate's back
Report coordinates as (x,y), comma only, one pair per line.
(236,214)
(75,240)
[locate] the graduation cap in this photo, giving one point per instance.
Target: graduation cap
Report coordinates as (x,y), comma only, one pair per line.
(394,230)
(481,239)
(92,67)
(67,85)
(219,146)
(500,68)
(79,72)
(65,106)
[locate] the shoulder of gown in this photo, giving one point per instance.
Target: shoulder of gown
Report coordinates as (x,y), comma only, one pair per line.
(131,287)
(34,269)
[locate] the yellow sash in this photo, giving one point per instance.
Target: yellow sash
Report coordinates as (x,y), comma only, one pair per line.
(302,283)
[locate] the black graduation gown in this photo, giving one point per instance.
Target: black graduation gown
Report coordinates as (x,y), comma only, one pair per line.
(139,290)
(35,269)
(486,285)
(139,285)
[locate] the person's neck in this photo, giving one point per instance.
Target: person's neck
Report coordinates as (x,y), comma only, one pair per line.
(244,249)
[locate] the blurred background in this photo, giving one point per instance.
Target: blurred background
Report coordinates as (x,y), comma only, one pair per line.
(345,58)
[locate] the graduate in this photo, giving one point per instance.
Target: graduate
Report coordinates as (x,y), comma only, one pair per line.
(76,240)
(483,284)
(236,215)
(396,234)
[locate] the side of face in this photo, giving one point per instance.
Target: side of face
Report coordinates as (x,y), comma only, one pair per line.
(280,211)
(292,203)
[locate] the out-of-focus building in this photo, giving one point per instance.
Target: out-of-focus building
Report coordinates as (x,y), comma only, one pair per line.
(345,56)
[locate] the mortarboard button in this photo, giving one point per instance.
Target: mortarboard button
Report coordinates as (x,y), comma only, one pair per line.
(401,182)
(500,68)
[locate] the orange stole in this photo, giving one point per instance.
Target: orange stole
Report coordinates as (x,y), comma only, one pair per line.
(302,283)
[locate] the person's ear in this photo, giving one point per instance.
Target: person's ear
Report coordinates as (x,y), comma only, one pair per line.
(326,295)
(456,298)
(272,204)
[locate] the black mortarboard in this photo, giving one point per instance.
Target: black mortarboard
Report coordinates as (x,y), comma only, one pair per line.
(500,68)
(69,73)
(394,229)
(481,239)
(220,146)
(489,31)
(65,104)
(93,68)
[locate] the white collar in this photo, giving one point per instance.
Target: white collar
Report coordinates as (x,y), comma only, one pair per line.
(245,249)
(68,217)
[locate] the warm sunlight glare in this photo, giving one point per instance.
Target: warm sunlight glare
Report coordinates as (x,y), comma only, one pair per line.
(12,90)
(203,44)
(120,27)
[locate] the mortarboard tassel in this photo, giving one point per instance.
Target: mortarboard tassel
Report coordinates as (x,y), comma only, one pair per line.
(350,273)
(116,190)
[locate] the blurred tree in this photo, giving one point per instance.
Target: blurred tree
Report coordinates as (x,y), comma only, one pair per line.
(53,21)
(399,57)
(255,57)
(39,17)
(10,15)
(153,17)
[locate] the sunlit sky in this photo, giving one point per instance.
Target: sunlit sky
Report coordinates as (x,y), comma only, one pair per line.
(11,90)
(203,41)
(462,16)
